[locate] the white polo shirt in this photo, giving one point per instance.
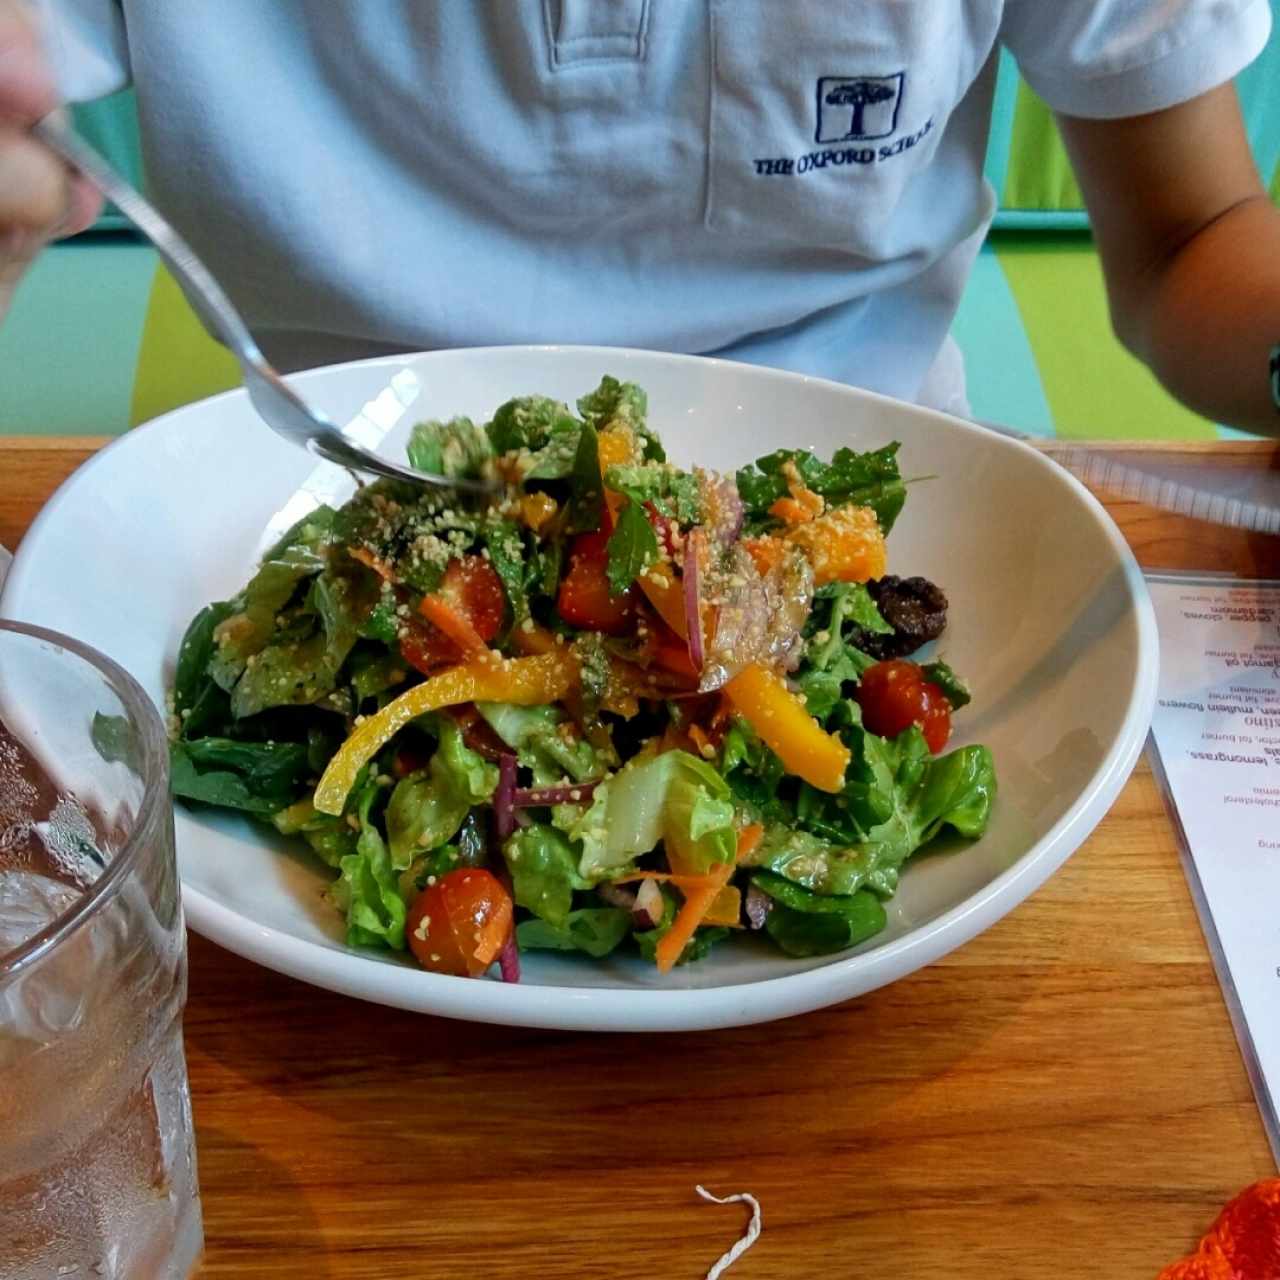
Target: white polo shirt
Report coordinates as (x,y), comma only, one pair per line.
(791,182)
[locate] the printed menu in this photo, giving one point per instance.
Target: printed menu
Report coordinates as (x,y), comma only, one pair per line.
(1216,734)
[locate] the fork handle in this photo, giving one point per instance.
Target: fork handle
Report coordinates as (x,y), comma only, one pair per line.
(203,292)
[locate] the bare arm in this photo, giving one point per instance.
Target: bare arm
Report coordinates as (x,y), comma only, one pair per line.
(1190,247)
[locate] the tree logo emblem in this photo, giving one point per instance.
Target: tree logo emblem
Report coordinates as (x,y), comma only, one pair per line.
(853,108)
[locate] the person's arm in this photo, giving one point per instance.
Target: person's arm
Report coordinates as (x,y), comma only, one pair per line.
(1190,247)
(37,197)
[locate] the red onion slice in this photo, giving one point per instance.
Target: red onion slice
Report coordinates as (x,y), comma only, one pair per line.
(509,959)
(563,793)
(693,598)
(503,798)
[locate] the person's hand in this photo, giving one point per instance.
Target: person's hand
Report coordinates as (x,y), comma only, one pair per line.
(39,199)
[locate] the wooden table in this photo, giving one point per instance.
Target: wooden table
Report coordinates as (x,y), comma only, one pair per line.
(1063,1097)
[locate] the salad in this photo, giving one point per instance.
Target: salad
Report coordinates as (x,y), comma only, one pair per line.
(613,704)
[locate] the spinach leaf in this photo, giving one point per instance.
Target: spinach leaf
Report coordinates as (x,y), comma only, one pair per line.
(632,548)
(897,799)
(506,549)
(595,930)
(220,787)
(250,623)
(807,924)
(867,479)
(622,404)
(114,739)
(586,486)
(199,702)
(957,690)
(300,667)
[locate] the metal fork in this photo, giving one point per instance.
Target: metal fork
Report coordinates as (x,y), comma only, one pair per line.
(279,406)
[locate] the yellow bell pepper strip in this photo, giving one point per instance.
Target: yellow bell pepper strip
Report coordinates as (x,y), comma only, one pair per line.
(699,898)
(726,908)
(781,719)
(527,682)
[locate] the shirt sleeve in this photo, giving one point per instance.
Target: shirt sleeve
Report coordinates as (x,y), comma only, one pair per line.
(85,43)
(1128,57)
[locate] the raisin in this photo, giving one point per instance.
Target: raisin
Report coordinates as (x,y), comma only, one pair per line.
(915,608)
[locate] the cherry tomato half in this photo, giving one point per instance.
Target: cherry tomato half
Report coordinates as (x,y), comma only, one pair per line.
(459,924)
(584,600)
(894,695)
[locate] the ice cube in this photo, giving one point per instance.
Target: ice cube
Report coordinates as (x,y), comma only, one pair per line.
(28,902)
(49,999)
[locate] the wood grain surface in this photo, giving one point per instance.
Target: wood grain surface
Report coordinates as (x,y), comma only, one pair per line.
(1061,1097)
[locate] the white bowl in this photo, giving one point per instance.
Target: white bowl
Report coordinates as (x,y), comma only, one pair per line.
(1050,622)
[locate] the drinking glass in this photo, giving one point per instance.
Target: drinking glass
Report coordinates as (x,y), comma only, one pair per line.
(97,1153)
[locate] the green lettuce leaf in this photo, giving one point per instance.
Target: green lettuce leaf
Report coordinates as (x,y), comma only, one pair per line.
(673,492)
(534,734)
(454,448)
(673,797)
(428,807)
(527,422)
(544,872)
(368,889)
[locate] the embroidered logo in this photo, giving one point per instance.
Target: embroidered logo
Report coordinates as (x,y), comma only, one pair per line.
(852,108)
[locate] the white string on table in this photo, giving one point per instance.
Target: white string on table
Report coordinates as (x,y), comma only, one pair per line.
(752,1232)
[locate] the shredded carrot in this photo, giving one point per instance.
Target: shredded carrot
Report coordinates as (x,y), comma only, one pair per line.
(438,611)
(370,561)
(698,900)
(748,838)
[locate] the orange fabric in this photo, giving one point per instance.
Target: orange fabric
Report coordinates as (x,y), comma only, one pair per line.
(1244,1242)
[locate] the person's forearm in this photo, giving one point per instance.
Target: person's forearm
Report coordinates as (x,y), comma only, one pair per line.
(1208,318)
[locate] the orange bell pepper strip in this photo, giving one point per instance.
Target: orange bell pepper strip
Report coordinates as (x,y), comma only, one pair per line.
(528,682)
(665,592)
(699,898)
(845,545)
(782,720)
